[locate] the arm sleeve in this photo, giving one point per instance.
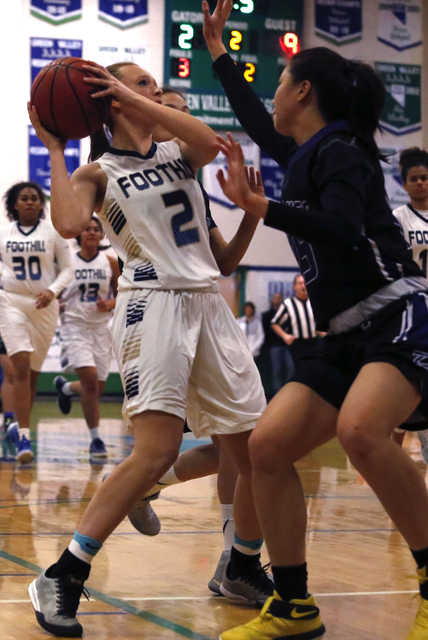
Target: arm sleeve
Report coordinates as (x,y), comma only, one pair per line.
(250,111)
(65,265)
(340,175)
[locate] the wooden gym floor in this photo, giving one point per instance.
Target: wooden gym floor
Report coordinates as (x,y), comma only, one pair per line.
(156,588)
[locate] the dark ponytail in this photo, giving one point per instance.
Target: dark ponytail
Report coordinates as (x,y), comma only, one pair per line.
(100,140)
(346,89)
(412,157)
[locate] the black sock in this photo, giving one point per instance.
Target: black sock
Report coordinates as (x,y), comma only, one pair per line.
(421,559)
(291,582)
(69,564)
(241,563)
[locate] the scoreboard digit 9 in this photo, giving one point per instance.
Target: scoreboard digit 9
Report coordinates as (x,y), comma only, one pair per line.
(257,35)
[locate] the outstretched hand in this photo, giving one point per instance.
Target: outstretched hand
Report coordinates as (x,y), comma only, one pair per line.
(214,26)
(244,187)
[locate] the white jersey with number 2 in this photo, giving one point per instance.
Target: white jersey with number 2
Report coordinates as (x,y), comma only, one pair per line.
(155,218)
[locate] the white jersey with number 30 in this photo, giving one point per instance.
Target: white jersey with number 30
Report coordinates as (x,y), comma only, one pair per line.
(415,228)
(31,258)
(155,218)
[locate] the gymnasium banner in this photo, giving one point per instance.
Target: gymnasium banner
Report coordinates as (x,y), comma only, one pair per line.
(272,176)
(210,182)
(44,50)
(123,13)
(39,164)
(399,24)
(393,182)
(339,21)
(56,11)
(109,54)
(402,111)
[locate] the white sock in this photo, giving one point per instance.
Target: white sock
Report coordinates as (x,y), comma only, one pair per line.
(75,548)
(169,478)
(66,389)
(94,433)
(25,433)
(228,524)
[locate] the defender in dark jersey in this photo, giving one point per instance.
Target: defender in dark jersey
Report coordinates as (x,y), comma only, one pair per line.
(370,374)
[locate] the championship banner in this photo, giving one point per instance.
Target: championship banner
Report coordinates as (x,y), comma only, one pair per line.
(210,182)
(40,164)
(123,13)
(339,21)
(56,11)
(44,50)
(110,54)
(272,176)
(402,111)
(399,24)
(393,182)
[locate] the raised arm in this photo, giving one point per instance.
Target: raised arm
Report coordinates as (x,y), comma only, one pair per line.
(248,108)
(195,139)
(228,255)
(74,200)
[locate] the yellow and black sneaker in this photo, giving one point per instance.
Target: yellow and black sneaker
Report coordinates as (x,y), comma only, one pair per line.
(419,630)
(279,619)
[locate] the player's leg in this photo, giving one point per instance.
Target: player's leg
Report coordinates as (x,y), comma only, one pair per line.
(55,594)
(380,399)
(295,422)
(7,396)
(89,397)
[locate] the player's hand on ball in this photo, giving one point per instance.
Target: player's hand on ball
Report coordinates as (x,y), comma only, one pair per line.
(107,85)
(49,140)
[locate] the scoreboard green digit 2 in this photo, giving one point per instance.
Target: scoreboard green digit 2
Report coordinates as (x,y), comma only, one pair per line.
(257,35)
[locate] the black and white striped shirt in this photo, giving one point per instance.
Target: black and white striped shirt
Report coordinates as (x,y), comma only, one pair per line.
(295,316)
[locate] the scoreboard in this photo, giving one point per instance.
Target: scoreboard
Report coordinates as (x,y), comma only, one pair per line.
(257,35)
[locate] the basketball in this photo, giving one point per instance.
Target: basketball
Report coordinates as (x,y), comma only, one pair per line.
(63,101)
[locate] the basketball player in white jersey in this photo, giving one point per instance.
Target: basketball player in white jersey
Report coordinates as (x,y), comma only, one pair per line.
(413,218)
(86,309)
(178,346)
(36,268)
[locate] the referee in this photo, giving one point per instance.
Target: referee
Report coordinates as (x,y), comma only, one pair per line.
(294,322)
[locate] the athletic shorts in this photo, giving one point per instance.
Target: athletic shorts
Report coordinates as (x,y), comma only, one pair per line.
(397,335)
(3,351)
(183,353)
(25,328)
(83,345)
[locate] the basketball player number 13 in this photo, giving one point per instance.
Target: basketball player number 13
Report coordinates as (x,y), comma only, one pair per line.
(186,236)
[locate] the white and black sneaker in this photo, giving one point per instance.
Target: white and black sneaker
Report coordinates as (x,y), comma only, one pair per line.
(217,579)
(64,401)
(55,601)
(254,587)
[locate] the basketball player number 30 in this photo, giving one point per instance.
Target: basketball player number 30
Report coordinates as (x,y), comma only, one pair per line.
(33,268)
(188,236)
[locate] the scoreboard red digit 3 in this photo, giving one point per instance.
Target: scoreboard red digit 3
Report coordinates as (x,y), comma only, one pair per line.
(257,35)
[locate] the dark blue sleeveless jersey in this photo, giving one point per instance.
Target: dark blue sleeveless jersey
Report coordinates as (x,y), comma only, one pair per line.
(334,206)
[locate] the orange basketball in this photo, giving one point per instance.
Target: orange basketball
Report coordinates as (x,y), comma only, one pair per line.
(63,101)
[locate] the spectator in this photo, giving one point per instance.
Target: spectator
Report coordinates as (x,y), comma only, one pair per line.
(252,328)
(279,352)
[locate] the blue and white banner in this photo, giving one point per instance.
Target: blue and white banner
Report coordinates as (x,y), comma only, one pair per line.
(56,11)
(272,176)
(123,13)
(44,50)
(339,21)
(400,24)
(39,163)
(209,172)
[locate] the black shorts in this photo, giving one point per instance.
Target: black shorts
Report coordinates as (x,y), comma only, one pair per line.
(3,351)
(398,334)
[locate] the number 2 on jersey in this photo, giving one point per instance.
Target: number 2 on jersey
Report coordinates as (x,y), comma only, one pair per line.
(187,236)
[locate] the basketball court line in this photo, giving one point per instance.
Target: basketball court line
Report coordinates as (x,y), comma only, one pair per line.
(119,604)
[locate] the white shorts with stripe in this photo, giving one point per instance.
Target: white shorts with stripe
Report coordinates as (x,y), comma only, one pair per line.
(25,328)
(83,345)
(183,353)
